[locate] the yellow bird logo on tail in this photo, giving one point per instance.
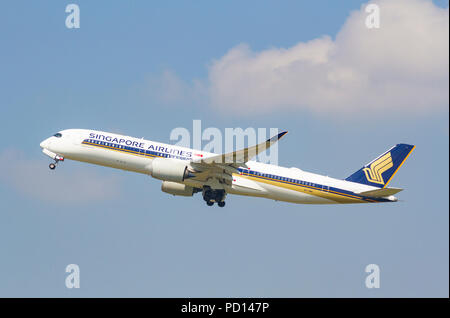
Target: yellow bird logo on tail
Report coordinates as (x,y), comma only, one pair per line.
(374,173)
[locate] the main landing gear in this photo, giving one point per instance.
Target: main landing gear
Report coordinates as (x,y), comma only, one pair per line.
(212,195)
(57,159)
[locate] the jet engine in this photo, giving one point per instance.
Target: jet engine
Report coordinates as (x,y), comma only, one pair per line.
(177,188)
(169,170)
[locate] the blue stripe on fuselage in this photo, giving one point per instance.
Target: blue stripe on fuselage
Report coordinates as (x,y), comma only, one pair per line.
(309,185)
(243,171)
(130,150)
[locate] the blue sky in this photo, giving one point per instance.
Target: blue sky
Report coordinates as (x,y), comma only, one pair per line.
(129,238)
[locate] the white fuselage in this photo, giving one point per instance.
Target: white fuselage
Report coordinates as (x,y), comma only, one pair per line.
(257,179)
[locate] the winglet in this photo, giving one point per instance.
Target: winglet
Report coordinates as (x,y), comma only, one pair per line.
(277,137)
(281,134)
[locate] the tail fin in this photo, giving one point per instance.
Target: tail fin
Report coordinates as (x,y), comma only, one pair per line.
(380,171)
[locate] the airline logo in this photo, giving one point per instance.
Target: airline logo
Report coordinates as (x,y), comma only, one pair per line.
(374,173)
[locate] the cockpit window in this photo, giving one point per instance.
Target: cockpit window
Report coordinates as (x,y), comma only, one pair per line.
(57,135)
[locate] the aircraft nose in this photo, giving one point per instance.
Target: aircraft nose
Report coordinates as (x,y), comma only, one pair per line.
(44,144)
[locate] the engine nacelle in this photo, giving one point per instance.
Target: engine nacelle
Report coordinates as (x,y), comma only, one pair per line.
(177,188)
(169,170)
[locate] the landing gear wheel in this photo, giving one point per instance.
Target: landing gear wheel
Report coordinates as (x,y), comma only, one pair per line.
(221,204)
(209,203)
(52,166)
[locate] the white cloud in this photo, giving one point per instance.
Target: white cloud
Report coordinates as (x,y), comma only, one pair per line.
(402,67)
(34,179)
(170,89)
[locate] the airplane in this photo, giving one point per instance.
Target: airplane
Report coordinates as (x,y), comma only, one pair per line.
(185,171)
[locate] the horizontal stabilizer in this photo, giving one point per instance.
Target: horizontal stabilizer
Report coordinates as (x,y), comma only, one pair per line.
(380,193)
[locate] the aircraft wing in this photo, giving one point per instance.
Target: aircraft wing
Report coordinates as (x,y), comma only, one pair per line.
(240,157)
(221,167)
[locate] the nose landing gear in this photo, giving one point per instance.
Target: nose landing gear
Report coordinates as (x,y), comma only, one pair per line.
(57,159)
(212,195)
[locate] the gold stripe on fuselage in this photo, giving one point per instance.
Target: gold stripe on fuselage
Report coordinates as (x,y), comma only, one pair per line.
(326,194)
